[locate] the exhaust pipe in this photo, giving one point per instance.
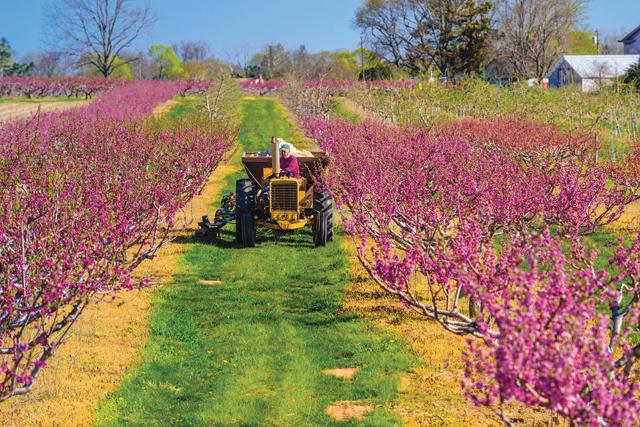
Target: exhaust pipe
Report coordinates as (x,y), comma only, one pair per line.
(275,156)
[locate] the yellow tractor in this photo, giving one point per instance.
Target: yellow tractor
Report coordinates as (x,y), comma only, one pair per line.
(268,198)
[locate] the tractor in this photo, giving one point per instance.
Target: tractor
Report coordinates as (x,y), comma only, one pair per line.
(269,198)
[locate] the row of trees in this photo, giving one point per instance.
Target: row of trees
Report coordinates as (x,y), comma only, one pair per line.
(184,60)
(520,38)
(504,38)
(97,38)
(276,61)
(481,225)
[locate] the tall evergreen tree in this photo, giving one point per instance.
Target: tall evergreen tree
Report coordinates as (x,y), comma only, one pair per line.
(632,76)
(8,66)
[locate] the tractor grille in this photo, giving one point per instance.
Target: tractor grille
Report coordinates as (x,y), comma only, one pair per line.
(284,196)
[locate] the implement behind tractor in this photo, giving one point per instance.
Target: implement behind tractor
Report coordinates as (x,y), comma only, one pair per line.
(271,199)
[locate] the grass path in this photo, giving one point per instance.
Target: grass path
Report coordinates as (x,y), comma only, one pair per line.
(241,336)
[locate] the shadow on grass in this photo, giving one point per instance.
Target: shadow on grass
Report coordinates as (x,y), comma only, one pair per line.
(226,238)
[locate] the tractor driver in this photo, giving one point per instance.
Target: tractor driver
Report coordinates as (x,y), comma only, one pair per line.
(288,162)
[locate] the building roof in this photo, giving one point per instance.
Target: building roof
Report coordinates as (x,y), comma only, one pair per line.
(631,35)
(598,66)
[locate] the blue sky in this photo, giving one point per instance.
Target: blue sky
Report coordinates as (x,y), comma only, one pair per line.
(232,27)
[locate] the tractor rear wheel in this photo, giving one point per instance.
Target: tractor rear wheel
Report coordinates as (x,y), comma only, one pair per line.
(245,206)
(323,223)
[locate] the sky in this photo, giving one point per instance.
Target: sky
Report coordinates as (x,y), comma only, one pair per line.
(240,27)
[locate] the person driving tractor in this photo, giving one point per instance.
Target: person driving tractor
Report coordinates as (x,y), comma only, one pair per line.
(288,162)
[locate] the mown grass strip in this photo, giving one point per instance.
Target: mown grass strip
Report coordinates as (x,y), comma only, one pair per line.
(242,335)
(339,110)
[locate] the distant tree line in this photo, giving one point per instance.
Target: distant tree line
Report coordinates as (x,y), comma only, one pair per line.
(500,39)
(276,61)
(519,38)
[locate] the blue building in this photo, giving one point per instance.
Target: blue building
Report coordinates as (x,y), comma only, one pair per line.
(632,42)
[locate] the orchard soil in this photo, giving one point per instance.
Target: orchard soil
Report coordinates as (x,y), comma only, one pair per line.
(17,110)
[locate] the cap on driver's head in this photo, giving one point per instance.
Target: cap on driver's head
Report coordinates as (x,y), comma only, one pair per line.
(285,147)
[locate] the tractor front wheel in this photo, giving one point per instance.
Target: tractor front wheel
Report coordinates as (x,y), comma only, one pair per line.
(247,230)
(245,206)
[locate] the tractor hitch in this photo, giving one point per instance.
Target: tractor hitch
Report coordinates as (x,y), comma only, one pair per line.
(223,216)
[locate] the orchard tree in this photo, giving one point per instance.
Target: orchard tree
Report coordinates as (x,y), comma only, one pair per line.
(497,211)
(192,51)
(102,28)
(48,63)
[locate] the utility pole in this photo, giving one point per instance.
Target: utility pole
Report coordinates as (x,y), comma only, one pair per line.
(596,40)
(270,61)
(362,58)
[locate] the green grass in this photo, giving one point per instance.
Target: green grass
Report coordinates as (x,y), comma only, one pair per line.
(185,106)
(338,110)
(250,351)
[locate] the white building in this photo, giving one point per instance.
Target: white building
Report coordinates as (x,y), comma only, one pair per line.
(632,42)
(591,72)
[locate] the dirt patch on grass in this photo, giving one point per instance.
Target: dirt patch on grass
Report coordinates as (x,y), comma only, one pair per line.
(210,282)
(165,107)
(18,110)
(345,410)
(344,373)
(362,112)
(107,340)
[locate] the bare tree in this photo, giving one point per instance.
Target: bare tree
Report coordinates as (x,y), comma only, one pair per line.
(48,63)
(609,44)
(238,58)
(96,32)
(452,34)
(192,51)
(273,60)
(381,23)
(534,33)
(301,62)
